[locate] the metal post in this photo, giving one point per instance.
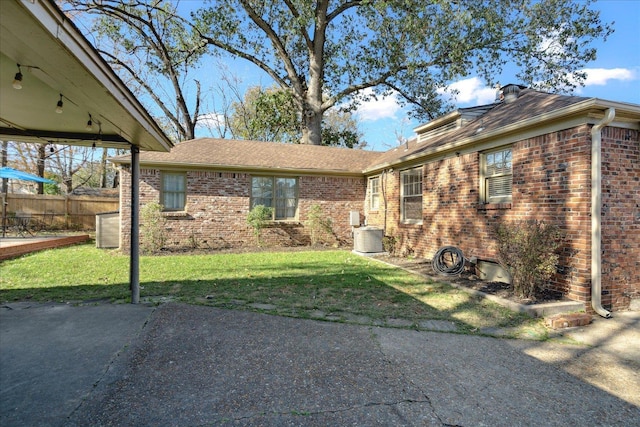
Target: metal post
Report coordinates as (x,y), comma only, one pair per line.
(3,163)
(134,265)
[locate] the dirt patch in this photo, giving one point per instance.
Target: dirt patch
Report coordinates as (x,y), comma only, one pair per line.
(471,281)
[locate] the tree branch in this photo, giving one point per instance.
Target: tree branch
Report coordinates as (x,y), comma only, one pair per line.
(277,43)
(302,29)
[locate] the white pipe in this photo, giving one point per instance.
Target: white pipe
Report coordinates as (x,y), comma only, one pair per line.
(596,213)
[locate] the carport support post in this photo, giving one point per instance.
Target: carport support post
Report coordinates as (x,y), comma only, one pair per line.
(134,263)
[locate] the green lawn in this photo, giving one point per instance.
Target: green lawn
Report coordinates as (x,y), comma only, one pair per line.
(313,284)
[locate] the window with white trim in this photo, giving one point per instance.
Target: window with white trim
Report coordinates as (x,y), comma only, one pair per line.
(374,193)
(496,176)
(279,193)
(173,194)
(411,195)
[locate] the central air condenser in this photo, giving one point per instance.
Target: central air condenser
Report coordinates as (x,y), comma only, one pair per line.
(367,240)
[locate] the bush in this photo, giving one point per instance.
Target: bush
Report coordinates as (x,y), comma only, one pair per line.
(258,218)
(527,249)
(153,229)
(389,244)
(318,224)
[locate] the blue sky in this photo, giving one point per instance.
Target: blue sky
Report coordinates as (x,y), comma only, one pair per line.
(615,76)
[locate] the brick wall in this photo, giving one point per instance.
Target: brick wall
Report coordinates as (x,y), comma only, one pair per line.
(620,217)
(551,182)
(218,203)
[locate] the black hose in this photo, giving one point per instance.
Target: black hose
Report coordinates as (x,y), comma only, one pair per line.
(449,260)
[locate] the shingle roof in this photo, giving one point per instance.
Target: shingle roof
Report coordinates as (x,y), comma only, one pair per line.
(530,103)
(242,154)
(530,110)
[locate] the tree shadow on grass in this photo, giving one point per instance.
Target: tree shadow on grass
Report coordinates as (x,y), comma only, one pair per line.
(342,289)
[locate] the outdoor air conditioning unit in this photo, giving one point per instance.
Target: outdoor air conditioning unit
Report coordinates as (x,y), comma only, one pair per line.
(108,230)
(367,240)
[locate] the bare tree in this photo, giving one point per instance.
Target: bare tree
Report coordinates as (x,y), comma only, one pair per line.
(144,42)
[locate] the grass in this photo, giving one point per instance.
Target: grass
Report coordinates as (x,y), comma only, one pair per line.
(335,285)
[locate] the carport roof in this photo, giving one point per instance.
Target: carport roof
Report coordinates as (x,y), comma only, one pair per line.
(58,63)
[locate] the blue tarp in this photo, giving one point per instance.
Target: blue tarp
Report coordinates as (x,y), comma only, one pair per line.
(11,173)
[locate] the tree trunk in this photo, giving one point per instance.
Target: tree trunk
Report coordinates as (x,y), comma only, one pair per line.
(42,155)
(103,169)
(312,128)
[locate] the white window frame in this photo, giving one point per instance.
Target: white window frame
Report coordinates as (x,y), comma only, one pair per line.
(496,175)
(412,191)
(165,193)
(374,193)
(277,201)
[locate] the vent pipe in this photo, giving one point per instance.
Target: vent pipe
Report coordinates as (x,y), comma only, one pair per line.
(510,93)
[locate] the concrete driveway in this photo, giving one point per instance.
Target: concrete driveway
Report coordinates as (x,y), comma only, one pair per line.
(189,366)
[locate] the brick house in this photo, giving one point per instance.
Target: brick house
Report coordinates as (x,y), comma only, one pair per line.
(528,155)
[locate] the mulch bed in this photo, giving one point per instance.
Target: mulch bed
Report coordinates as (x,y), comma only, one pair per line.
(471,281)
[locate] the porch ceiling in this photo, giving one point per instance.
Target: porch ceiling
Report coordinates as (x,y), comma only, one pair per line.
(57,60)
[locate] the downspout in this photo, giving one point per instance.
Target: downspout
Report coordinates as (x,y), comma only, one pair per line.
(384,200)
(596,213)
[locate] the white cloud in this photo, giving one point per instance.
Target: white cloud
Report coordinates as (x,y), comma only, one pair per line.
(210,121)
(601,76)
(382,108)
(469,91)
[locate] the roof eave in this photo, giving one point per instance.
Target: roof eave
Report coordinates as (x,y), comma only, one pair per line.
(592,109)
(170,165)
(48,18)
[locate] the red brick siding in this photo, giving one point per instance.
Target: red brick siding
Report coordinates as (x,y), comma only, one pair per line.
(551,182)
(620,217)
(218,203)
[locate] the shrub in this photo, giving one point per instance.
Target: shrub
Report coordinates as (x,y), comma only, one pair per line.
(318,224)
(258,218)
(527,249)
(389,244)
(154,228)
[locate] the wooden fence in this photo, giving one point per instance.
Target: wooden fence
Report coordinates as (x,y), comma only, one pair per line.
(61,212)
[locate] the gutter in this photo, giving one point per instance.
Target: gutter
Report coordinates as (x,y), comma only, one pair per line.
(596,212)
(269,170)
(581,110)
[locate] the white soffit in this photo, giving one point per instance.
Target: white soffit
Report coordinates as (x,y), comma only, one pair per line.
(56,59)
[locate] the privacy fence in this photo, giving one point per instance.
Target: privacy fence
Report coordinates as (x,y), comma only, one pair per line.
(61,212)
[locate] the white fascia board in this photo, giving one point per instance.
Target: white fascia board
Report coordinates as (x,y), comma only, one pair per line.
(585,112)
(62,29)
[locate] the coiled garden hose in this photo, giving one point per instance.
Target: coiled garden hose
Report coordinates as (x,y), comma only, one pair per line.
(449,261)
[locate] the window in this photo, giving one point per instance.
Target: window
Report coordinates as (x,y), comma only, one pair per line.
(374,193)
(278,193)
(496,176)
(174,191)
(411,195)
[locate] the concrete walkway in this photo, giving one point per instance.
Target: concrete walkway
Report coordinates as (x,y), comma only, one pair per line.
(189,366)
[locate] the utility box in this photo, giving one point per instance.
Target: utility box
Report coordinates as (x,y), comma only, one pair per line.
(354,218)
(492,272)
(367,240)
(108,230)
